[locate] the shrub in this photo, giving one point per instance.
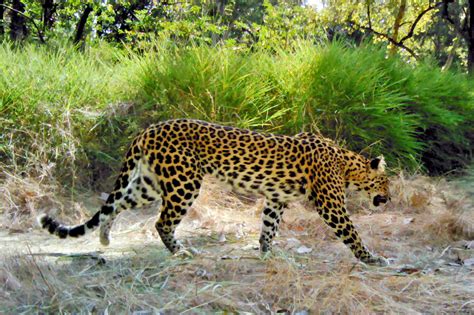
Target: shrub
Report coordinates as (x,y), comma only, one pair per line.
(356,95)
(79,110)
(50,103)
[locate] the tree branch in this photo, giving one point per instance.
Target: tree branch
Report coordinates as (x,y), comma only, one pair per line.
(40,34)
(82,24)
(368,13)
(391,40)
(445,14)
(418,18)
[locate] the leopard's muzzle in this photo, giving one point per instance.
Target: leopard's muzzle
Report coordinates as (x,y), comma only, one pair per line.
(380,199)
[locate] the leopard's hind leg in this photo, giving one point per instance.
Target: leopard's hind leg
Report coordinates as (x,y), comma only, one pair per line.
(135,189)
(179,193)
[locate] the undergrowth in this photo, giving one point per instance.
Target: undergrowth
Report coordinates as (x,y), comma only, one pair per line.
(421,231)
(76,112)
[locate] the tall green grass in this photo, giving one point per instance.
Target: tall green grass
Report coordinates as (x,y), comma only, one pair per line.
(51,99)
(346,94)
(356,95)
(80,109)
(215,84)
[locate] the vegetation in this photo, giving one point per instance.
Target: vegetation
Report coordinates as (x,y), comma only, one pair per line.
(255,64)
(415,29)
(431,273)
(79,79)
(80,109)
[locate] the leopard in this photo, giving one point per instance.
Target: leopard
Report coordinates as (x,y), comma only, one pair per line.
(167,162)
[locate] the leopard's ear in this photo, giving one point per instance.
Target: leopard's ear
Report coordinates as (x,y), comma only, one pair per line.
(378,164)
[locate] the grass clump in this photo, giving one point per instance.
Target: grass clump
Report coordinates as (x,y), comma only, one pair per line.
(356,95)
(215,84)
(416,112)
(443,103)
(42,94)
(51,101)
(79,110)
(345,93)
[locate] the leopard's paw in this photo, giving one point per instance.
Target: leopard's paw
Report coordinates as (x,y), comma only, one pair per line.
(184,254)
(376,260)
(104,240)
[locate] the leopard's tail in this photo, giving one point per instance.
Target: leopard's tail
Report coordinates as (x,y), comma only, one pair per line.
(107,211)
(123,193)
(63,231)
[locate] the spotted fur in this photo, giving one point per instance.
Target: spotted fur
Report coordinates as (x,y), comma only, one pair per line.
(167,162)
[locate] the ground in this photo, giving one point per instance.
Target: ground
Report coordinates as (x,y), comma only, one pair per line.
(426,232)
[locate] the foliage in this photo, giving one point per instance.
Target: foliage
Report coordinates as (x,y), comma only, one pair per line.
(216,84)
(50,103)
(381,16)
(410,27)
(80,110)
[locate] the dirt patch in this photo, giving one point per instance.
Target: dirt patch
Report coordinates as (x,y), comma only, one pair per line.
(425,231)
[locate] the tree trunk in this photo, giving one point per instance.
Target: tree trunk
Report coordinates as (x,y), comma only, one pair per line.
(470,56)
(397,24)
(18,30)
(48,11)
(2,21)
(81,25)
(451,55)
(470,39)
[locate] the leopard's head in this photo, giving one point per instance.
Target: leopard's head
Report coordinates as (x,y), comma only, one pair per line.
(372,180)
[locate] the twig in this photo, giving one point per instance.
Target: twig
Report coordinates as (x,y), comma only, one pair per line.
(205,303)
(406,287)
(39,269)
(165,283)
(444,251)
(391,40)
(91,255)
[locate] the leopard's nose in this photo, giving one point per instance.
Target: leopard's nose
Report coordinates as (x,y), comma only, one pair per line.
(380,199)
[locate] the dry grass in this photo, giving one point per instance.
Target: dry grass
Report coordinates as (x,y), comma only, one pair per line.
(422,230)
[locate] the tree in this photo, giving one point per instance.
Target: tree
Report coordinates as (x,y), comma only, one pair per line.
(49,8)
(396,22)
(18,30)
(463,24)
(79,34)
(2,21)
(117,19)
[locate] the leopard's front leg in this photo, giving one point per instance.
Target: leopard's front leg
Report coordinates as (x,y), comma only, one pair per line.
(271,217)
(329,199)
(342,226)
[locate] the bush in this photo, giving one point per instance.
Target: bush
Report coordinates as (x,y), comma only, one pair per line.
(80,109)
(50,103)
(355,95)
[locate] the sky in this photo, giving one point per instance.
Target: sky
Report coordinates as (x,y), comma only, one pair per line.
(318,4)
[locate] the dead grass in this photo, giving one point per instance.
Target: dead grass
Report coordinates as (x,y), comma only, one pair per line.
(21,199)
(423,230)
